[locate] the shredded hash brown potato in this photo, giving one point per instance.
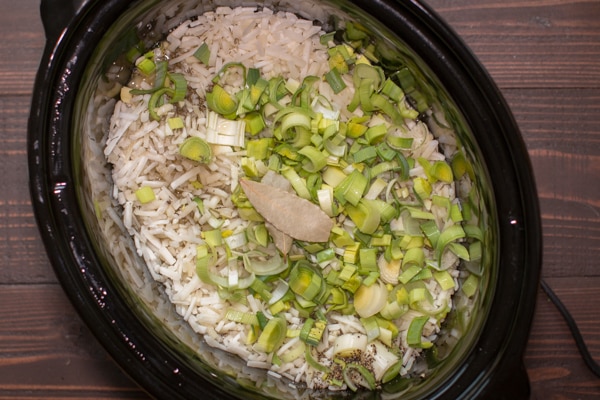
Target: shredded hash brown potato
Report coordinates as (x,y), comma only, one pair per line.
(189,199)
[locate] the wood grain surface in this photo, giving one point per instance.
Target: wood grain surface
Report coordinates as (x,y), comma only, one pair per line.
(545,57)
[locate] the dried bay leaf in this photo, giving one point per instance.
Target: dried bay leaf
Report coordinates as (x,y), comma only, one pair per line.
(282,240)
(292,215)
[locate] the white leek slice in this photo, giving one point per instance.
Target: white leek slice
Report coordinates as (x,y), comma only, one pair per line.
(236,240)
(347,343)
(383,359)
(369,300)
(325,197)
(280,290)
(389,270)
(264,263)
(223,131)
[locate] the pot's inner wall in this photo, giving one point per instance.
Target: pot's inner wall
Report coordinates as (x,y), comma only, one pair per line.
(148,21)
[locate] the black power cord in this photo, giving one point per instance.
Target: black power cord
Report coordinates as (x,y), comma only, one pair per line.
(581,345)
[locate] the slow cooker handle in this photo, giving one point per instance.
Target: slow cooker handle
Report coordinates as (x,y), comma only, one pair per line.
(57,14)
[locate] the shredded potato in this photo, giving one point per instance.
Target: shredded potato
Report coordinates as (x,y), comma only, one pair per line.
(191,199)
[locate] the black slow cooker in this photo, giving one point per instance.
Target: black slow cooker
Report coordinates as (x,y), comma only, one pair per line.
(151,345)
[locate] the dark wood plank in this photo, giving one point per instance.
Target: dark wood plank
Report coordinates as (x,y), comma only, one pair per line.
(560,129)
(22,252)
(554,365)
(541,43)
(21,45)
(46,351)
(558,119)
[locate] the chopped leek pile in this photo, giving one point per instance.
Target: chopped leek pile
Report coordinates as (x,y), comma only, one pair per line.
(346,216)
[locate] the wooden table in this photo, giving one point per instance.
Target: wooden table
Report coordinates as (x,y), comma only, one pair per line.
(544,55)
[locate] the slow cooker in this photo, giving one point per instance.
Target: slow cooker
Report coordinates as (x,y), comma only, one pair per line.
(142,333)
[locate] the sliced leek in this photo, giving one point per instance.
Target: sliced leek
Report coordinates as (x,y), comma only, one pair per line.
(272,336)
(394,236)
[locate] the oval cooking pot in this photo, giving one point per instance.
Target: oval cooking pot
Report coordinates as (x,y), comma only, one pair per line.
(491,366)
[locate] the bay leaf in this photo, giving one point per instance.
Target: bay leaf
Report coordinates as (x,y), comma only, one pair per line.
(293,215)
(282,240)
